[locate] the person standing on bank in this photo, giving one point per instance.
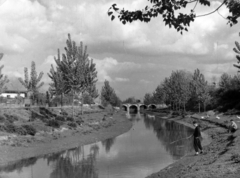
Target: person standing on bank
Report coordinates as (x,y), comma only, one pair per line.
(197,138)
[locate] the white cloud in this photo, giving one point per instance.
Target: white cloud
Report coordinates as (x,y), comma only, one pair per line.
(121,79)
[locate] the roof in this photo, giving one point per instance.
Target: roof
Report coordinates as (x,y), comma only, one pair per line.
(14,91)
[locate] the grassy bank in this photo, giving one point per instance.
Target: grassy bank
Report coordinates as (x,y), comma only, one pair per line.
(56,130)
(221,157)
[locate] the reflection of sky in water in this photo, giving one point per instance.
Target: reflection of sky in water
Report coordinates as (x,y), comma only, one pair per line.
(143,150)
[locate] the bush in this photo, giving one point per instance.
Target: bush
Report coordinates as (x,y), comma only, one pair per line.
(2,118)
(60,118)
(79,122)
(70,119)
(11,118)
(53,123)
(20,130)
(72,124)
(64,113)
(30,129)
(10,128)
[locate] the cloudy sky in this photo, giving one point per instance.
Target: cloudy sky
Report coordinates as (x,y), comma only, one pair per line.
(135,57)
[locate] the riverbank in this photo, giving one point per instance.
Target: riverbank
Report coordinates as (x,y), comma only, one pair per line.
(94,129)
(221,156)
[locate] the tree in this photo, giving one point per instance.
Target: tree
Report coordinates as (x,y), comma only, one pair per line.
(78,70)
(159,95)
(147,99)
(3,78)
(199,88)
(108,95)
(92,92)
(33,84)
(57,86)
(130,100)
(172,12)
(237,50)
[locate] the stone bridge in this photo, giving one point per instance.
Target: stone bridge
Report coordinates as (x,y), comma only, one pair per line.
(138,107)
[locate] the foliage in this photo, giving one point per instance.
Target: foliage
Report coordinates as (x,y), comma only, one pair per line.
(72,124)
(3,79)
(237,50)
(30,129)
(10,118)
(60,118)
(130,100)
(32,85)
(148,98)
(173,12)
(70,118)
(77,70)
(108,95)
(53,123)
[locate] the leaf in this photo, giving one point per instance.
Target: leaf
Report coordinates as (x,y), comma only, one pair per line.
(113,17)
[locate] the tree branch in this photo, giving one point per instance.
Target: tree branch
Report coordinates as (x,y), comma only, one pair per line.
(214,10)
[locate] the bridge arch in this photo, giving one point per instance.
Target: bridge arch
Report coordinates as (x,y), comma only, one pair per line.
(124,107)
(152,106)
(133,108)
(143,107)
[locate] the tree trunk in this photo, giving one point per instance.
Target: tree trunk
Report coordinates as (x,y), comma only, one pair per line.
(73,104)
(61,100)
(184,107)
(82,103)
(199,106)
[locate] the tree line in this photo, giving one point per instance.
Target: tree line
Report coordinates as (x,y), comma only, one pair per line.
(184,90)
(73,79)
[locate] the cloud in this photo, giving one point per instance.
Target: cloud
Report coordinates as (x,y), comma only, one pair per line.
(121,79)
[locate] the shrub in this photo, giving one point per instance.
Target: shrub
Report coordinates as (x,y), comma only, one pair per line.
(2,118)
(72,124)
(53,123)
(30,129)
(79,122)
(60,118)
(11,118)
(20,130)
(10,128)
(64,113)
(70,118)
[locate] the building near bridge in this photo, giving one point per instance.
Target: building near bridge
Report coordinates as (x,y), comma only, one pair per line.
(13,94)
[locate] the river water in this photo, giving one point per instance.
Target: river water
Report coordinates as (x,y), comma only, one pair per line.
(144,149)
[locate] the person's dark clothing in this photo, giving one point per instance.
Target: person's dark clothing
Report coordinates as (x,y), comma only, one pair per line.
(197,132)
(197,139)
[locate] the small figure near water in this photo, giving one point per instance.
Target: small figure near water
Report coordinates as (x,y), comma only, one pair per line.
(197,138)
(232,127)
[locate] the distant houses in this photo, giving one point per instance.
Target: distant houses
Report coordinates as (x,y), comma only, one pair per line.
(13,94)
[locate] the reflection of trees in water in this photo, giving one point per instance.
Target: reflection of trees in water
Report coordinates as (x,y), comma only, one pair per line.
(17,166)
(108,143)
(75,164)
(169,131)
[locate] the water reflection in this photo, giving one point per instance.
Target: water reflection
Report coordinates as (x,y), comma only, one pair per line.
(145,149)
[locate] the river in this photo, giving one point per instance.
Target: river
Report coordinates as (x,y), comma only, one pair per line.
(146,148)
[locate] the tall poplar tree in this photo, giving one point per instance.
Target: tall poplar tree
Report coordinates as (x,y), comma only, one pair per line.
(199,88)
(34,83)
(3,78)
(78,71)
(108,95)
(57,85)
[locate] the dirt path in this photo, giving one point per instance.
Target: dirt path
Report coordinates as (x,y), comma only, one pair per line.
(45,143)
(221,157)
